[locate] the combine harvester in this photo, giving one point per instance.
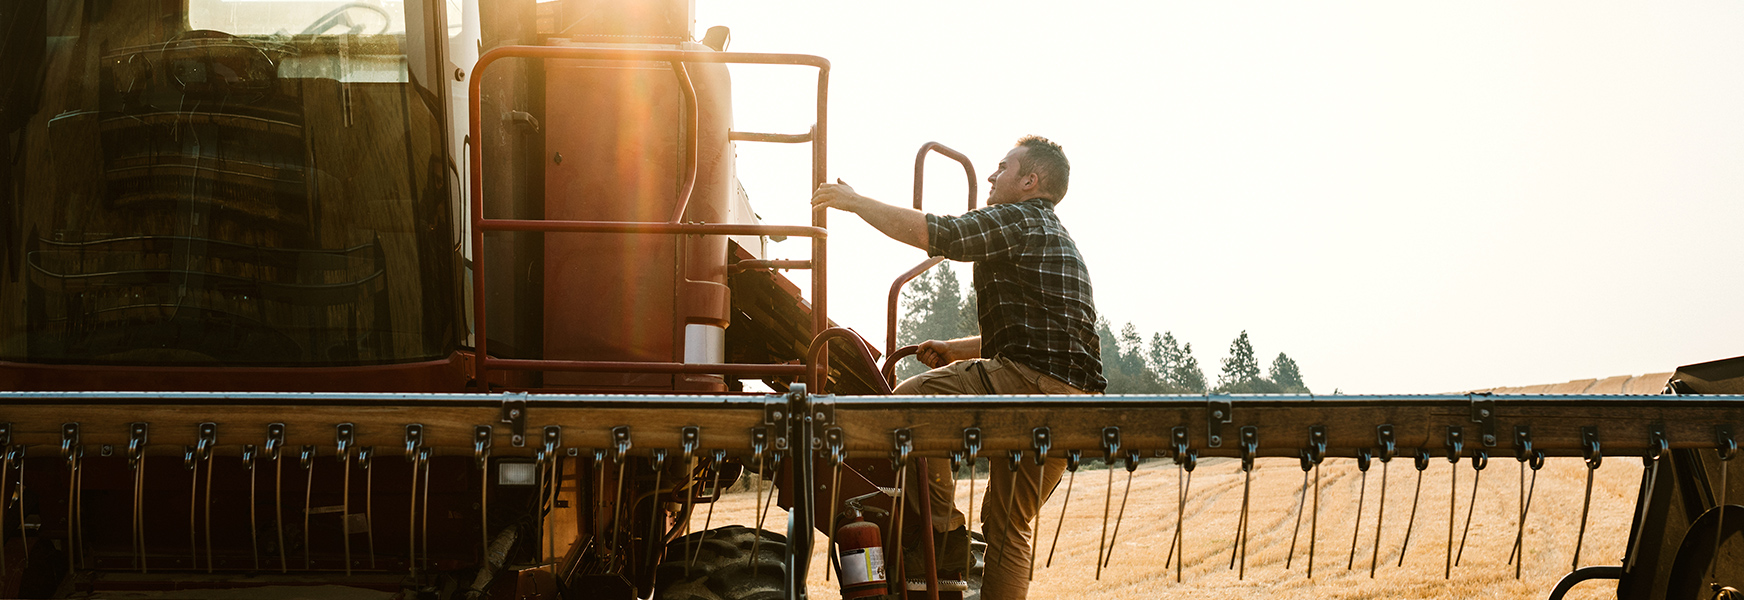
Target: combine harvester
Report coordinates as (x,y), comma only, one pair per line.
(453,301)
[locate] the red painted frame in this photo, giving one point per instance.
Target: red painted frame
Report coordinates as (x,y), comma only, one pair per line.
(817,232)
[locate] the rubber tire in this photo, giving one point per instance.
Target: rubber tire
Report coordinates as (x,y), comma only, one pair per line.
(724,568)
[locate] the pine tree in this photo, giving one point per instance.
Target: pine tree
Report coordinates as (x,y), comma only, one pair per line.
(1186,375)
(934,308)
(1174,366)
(1286,375)
(1240,366)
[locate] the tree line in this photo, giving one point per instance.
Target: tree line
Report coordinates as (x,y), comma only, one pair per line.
(936,307)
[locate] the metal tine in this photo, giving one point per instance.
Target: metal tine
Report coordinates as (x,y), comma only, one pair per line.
(553,439)
(691,436)
(1421,461)
(1479,460)
(6,469)
(720,457)
(555,477)
(836,452)
(1314,522)
(618,505)
(1590,441)
(1651,460)
(1110,446)
(70,451)
(481,459)
(1523,453)
(1178,443)
(1131,467)
(139,512)
(1180,511)
(253,517)
(756,509)
(540,462)
(972,450)
(366,456)
(208,512)
(1317,453)
(19,491)
(136,440)
(653,513)
(621,444)
(1384,434)
(275,450)
(1072,459)
(342,435)
(768,500)
(1043,443)
(1455,446)
(308,463)
(1249,447)
(1727,448)
(1363,456)
(1301,506)
(1016,458)
(1537,463)
(191,462)
(424,506)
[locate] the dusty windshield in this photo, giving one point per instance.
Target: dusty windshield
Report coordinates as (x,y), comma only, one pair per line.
(205,182)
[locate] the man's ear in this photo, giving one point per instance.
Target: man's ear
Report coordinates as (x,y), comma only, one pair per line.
(1030,182)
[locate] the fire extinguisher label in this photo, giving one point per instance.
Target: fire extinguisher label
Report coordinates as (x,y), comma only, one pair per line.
(862,565)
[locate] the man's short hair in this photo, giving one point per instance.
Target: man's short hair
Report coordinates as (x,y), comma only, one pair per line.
(1049,159)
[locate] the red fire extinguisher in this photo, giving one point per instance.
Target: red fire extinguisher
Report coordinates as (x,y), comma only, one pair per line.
(860,553)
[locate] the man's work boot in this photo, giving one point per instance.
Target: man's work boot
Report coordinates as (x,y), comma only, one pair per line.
(951,549)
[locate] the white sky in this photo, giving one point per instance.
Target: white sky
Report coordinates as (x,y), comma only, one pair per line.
(1402,196)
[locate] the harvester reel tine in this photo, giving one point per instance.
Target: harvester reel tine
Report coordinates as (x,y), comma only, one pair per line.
(1131,466)
(1181,510)
(1727,448)
(308,463)
(1455,446)
(1421,462)
(1384,435)
(1362,464)
(365,456)
(1594,457)
(1042,443)
(1301,506)
(1479,460)
(1658,448)
(1072,458)
(1110,447)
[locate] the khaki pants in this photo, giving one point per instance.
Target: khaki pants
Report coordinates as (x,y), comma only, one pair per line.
(1014,497)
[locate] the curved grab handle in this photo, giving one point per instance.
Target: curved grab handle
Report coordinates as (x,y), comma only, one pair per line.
(816,371)
(896,357)
(895,294)
(920,169)
(919,177)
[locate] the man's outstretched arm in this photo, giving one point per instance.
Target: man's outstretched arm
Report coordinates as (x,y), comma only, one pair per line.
(938,353)
(901,223)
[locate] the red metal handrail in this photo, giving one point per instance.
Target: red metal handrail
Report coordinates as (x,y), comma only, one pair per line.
(818,369)
(890,352)
(677,58)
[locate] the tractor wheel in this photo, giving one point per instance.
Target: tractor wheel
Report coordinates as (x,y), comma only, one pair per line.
(724,568)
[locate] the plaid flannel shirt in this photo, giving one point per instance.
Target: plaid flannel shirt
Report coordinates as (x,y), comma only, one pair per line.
(1032,290)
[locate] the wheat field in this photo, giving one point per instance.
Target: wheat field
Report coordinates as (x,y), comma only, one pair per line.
(1136,568)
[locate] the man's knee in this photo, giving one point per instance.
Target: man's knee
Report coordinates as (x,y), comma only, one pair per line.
(949,380)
